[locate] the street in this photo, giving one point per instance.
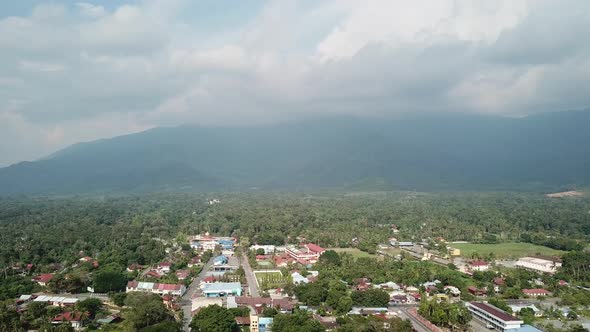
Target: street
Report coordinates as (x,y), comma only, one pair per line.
(418,326)
(250,277)
(191,291)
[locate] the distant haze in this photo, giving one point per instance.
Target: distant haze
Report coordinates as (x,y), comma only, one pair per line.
(79,71)
(546,153)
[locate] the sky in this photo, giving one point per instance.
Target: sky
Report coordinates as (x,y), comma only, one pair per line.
(79,71)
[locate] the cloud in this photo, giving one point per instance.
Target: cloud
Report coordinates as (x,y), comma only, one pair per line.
(84,71)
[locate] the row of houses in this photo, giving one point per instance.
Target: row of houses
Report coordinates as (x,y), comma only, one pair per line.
(498,319)
(155,288)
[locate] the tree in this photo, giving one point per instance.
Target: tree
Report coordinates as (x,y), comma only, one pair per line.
(90,305)
(330,257)
(370,298)
(299,321)
(214,319)
(146,310)
(109,281)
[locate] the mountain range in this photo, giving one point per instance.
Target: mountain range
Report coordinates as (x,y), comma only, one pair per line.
(545,152)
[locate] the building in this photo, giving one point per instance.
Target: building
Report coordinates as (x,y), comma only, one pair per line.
(43,279)
(268,248)
(477,291)
(164,267)
(58,301)
(284,305)
(516,308)
(534,292)
(260,324)
(540,264)
(306,253)
(155,288)
(208,242)
(220,260)
(182,274)
(493,316)
(222,289)
(479,266)
(74,318)
(454,251)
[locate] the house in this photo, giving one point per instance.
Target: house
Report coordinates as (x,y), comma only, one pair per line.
(43,279)
(222,289)
(479,266)
(284,305)
(562,283)
(399,299)
(298,278)
(541,264)
(268,248)
(405,244)
(164,267)
(454,251)
(262,257)
(452,290)
(182,274)
(134,267)
(477,291)
(496,317)
(194,261)
(534,292)
(367,311)
(260,324)
(282,261)
(208,280)
(74,318)
(517,307)
(155,288)
(90,260)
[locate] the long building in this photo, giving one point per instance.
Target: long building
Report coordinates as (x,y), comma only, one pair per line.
(152,287)
(496,317)
(221,289)
(540,264)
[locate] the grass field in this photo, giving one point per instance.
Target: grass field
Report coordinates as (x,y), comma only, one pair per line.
(270,279)
(356,253)
(504,250)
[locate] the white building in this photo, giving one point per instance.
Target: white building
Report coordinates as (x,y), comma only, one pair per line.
(539,264)
(151,287)
(496,317)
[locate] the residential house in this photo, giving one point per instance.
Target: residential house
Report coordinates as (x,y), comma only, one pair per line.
(74,318)
(534,292)
(477,291)
(182,274)
(479,266)
(164,267)
(43,279)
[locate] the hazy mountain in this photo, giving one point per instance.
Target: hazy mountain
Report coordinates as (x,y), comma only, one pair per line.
(427,152)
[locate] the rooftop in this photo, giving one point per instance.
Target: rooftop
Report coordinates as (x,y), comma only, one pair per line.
(494,311)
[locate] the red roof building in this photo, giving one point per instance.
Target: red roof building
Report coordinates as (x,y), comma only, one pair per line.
(43,279)
(536,292)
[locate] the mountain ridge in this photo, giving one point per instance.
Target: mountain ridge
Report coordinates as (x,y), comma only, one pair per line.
(424,152)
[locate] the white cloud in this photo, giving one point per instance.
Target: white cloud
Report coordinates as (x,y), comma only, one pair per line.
(71,74)
(90,10)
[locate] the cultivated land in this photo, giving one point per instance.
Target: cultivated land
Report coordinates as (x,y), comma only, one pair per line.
(505,250)
(356,253)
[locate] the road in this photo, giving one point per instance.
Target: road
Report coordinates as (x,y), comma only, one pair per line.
(250,277)
(418,326)
(190,292)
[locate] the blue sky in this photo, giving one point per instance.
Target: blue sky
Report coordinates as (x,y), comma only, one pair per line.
(74,71)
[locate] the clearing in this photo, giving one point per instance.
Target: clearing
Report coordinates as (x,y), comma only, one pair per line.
(356,253)
(571,193)
(505,250)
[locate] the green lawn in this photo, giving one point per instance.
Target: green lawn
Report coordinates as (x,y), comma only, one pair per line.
(356,253)
(505,250)
(271,279)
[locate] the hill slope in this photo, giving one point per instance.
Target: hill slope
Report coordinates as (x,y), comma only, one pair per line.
(434,152)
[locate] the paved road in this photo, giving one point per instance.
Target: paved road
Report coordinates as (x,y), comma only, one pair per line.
(190,293)
(250,277)
(418,326)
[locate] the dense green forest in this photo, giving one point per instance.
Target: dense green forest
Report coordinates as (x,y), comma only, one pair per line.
(125,229)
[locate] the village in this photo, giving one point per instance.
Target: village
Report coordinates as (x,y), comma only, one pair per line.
(219,271)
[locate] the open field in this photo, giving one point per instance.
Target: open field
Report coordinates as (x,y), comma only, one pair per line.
(356,253)
(505,250)
(571,193)
(270,279)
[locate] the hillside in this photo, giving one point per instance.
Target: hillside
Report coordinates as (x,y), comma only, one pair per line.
(547,152)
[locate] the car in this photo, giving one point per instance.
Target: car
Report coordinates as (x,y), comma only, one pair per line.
(490,326)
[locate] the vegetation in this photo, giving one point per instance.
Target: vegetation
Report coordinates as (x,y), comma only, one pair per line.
(217,319)
(504,250)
